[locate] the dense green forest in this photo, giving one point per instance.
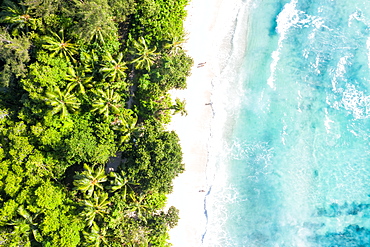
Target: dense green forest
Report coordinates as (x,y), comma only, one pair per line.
(82,81)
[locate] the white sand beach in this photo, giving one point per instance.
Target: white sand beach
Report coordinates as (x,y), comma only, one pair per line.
(207,24)
(194,132)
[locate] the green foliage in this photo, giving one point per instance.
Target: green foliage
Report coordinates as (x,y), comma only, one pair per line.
(90,179)
(48,196)
(14,57)
(96,236)
(162,19)
(94,21)
(77,78)
(114,69)
(179,107)
(174,46)
(124,125)
(8,211)
(154,159)
(42,8)
(3,171)
(170,19)
(20,146)
(156,200)
(51,137)
(17,16)
(162,222)
(145,57)
(83,146)
(97,206)
(51,222)
(173,73)
(81,82)
(61,229)
(26,226)
(172,217)
(122,9)
(63,102)
(12,184)
(107,102)
(58,45)
(106,143)
(46,73)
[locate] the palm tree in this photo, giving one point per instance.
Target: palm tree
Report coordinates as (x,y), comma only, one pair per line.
(95,23)
(96,237)
(89,60)
(59,46)
(179,107)
(138,205)
(63,102)
(78,78)
(107,102)
(120,181)
(145,56)
(114,69)
(125,124)
(27,225)
(17,16)
(90,179)
(175,45)
(98,34)
(98,205)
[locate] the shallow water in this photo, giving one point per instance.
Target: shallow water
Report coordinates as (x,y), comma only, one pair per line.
(292,168)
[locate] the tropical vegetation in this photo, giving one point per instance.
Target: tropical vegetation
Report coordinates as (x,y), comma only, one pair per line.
(84,83)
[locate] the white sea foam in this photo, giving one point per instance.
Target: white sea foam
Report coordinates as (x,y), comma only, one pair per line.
(227,94)
(358,16)
(356,102)
(327,123)
(290,17)
(340,71)
(285,20)
(296,168)
(368,51)
(317,64)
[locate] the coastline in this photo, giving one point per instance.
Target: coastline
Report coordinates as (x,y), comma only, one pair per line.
(194,132)
(210,27)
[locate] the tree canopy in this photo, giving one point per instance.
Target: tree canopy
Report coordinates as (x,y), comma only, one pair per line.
(85,157)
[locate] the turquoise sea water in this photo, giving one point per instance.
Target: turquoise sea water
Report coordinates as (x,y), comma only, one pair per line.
(294,164)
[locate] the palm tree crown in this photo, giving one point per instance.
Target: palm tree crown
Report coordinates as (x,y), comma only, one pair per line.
(175,45)
(17,16)
(59,46)
(96,237)
(146,57)
(107,102)
(98,205)
(78,78)
(26,226)
(179,107)
(114,68)
(90,179)
(62,101)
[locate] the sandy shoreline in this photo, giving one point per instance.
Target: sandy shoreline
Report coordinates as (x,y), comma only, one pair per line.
(210,26)
(194,133)
(194,129)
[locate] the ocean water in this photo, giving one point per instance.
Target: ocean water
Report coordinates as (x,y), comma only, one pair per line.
(290,163)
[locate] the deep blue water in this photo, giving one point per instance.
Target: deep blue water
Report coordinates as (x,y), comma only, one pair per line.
(295,165)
